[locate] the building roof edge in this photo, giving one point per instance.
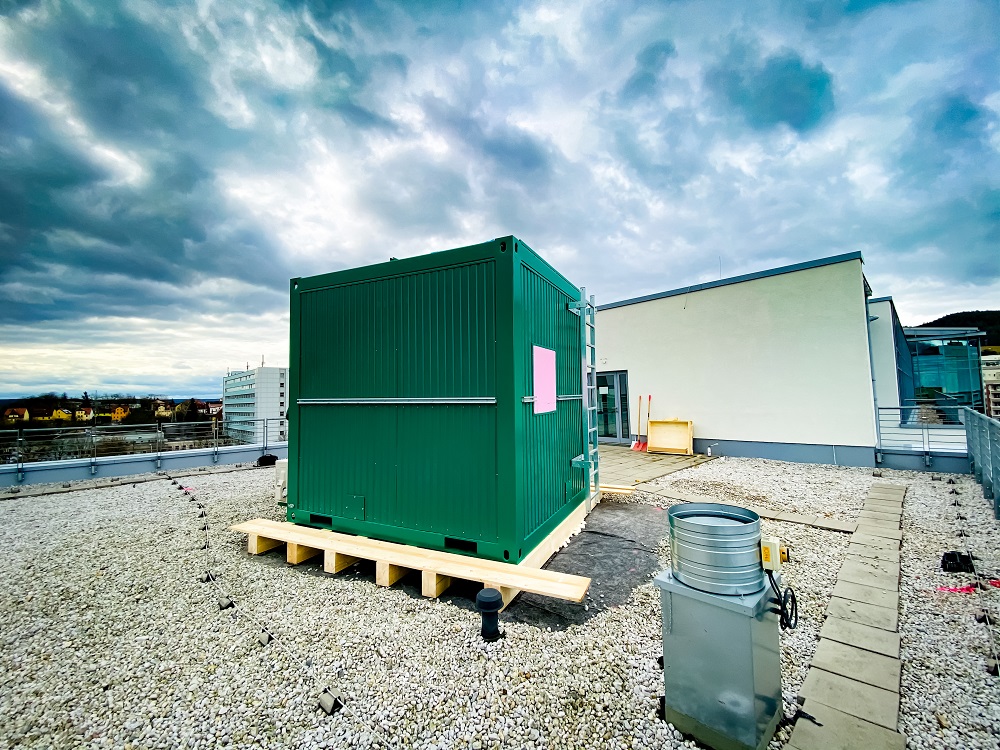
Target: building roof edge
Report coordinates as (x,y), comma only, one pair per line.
(819,262)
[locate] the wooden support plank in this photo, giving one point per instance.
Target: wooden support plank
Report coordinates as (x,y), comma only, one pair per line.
(544,550)
(617,489)
(299,553)
(258,545)
(515,577)
(334,562)
(387,574)
(508,593)
(433,584)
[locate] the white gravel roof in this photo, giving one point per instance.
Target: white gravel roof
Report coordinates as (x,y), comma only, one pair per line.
(107,639)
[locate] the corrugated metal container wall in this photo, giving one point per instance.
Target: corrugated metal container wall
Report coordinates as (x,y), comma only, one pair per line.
(409,420)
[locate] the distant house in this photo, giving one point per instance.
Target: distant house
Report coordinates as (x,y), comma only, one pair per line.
(16,414)
(84,414)
(61,415)
(163,409)
(118,412)
(214,408)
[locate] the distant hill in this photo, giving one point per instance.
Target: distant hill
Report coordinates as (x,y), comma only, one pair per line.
(985,320)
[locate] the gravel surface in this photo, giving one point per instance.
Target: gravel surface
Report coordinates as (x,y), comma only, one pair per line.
(837,491)
(948,699)
(109,640)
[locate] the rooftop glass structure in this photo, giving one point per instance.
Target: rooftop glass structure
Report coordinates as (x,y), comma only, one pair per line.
(946,366)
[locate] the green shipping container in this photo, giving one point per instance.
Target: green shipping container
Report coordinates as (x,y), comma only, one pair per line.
(414,414)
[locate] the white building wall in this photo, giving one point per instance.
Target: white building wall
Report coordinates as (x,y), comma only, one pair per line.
(261,393)
(779,359)
(884,354)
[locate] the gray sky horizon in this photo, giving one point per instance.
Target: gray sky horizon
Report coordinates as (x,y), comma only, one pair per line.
(165,168)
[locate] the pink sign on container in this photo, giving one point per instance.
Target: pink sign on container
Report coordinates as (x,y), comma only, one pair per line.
(543,362)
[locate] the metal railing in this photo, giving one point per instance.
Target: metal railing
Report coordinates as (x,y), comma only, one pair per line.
(924,429)
(931,430)
(60,443)
(983,437)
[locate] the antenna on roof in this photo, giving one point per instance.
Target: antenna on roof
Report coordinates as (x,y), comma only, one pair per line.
(261,360)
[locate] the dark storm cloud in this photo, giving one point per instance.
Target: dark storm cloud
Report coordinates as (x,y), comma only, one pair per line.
(828,12)
(8,7)
(511,151)
(781,88)
(949,133)
(36,172)
(73,218)
(663,163)
(649,64)
(947,160)
(336,65)
(124,75)
(415,193)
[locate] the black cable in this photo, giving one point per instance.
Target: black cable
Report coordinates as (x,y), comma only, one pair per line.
(789,605)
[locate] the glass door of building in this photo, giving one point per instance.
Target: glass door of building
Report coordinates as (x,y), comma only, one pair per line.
(612,407)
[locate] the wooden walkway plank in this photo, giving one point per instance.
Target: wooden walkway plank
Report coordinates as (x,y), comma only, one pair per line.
(852,687)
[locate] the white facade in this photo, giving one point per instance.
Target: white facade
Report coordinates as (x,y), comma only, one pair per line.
(249,396)
(774,364)
(891,357)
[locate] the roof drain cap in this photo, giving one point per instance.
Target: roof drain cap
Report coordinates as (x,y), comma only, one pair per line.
(489,602)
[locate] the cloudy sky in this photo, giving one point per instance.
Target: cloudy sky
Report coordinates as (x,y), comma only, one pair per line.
(166,168)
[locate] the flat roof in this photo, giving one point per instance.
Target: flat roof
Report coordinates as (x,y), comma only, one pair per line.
(942,333)
(738,279)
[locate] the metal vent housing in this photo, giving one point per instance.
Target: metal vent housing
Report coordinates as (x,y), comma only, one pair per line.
(716,548)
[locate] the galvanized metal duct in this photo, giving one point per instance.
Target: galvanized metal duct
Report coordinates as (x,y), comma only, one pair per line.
(716,548)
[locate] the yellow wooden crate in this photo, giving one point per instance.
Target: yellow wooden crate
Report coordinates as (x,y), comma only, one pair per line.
(670,436)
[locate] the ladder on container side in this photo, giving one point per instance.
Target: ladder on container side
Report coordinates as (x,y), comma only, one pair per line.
(588,460)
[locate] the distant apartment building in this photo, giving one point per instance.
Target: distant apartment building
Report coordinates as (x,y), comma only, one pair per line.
(251,396)
(991,385)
